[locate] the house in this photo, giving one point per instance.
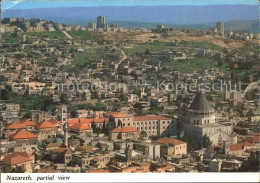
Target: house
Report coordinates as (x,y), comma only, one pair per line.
(240,148)
(124,133)
(94,160)
(254,140)
(81,129)
(22,135)
(13,127)
(46,130)
(26,141)
(17,162)
(172,147)
(62,154)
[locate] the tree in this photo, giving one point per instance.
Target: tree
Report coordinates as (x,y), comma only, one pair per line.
(220,63)
(206,141)
(104,127)
(4,94)
(143,134)
(119,124)
(73,113)
(249,114)
(93,126)
(147,51)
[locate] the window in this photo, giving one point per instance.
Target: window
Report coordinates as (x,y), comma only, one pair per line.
(128,124)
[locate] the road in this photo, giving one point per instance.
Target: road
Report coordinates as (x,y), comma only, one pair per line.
(67,35)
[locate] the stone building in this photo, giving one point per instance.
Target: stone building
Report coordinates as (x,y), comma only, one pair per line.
(124,133)
(151,125)
(172,147)
(201,121)
(46,130)
(26,141)
(17,162)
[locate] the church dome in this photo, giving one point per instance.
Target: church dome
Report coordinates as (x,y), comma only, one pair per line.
(200,103)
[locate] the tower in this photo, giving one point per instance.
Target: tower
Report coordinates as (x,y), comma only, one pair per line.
(128,152)
(64,111)
(65,133)
(220,27)
(92,25)
(101,22)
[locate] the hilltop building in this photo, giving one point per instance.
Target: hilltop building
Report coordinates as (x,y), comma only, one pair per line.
(101,22)
(220,28)
(92,25)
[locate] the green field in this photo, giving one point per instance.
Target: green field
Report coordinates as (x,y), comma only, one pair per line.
(191,65)
(83,35)
(151,46)
(28,102)
(9,38)
(82,59)
(51,35)
(201,45)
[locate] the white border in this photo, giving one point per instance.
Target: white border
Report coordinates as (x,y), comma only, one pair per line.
(137,177)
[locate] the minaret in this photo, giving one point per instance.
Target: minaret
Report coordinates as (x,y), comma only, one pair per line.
(65,130)
(128,152)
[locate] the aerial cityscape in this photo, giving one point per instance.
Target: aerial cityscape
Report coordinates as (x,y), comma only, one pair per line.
(102,97)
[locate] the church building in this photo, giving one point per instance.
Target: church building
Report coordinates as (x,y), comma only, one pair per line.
(200,121)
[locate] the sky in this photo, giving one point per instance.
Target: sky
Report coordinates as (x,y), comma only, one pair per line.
(31,4)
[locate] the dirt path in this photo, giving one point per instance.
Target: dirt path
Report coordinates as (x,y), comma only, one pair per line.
(67,35)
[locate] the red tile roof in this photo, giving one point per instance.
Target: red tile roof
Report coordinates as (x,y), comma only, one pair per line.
(120,115)
(15,126)
(147,118)
(80,126)
(124,130)
(54,121)
(215,148)
(167,141)
(87,120)
(240,146)
(255,139)
(27,122)
(46,124)
(22,134)
(16,158)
